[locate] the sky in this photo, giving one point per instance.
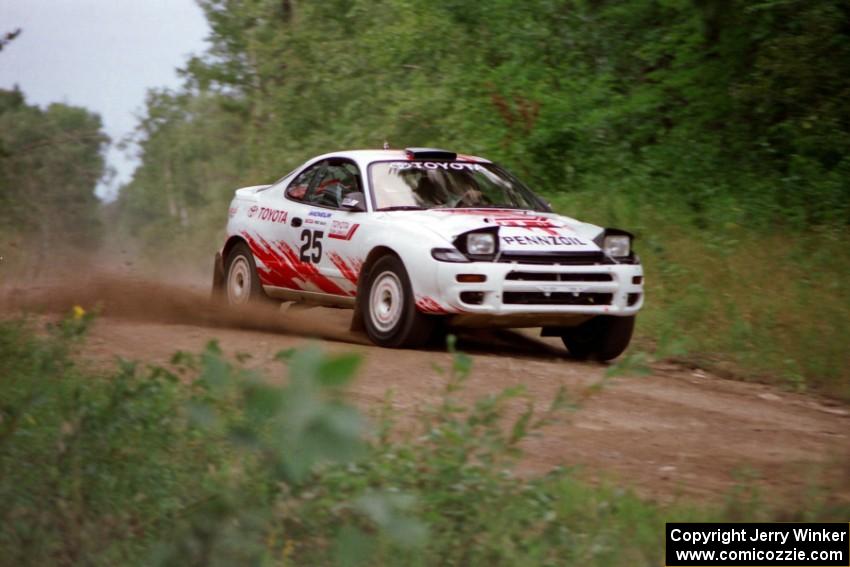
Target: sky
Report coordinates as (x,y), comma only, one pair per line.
(100,54)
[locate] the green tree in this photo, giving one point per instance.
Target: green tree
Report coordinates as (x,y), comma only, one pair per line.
(705,103)
(50,163)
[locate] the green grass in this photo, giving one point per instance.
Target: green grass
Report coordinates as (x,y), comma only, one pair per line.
(209,464)
(758,303)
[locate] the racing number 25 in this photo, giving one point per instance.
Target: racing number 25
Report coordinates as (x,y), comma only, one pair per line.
(312,240)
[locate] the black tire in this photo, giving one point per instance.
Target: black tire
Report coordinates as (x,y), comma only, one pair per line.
(242,288)
(602,338)
(405,328)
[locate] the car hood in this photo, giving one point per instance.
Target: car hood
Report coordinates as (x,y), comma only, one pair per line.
(519,230)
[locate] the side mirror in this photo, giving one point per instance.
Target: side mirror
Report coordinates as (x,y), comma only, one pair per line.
(354,202)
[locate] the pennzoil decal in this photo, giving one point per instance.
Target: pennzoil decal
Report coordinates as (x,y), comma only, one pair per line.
(342,230)
(544,240)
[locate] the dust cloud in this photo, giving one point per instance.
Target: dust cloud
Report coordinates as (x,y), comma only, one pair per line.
(132,297)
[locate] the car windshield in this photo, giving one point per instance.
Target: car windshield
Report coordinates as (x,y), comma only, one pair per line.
(447,184)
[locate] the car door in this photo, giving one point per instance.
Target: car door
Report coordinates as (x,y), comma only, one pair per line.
(272,238)
(329,228)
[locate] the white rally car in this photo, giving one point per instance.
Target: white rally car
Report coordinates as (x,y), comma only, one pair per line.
(410,238)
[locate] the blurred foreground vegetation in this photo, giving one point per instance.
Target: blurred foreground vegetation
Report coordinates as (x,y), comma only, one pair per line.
(717,131)
(206,463)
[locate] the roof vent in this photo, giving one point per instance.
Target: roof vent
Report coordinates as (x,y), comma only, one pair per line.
(430,153)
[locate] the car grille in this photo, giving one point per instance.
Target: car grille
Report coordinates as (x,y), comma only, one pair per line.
(557,277)
(574,259)
(556,298)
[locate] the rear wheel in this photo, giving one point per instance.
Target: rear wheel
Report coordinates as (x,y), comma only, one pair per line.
(389,310)
(241,283)
(602,338)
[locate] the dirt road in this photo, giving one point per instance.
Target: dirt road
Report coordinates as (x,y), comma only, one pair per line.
(676,431)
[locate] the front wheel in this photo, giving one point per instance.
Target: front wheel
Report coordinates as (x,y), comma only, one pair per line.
(602,338)
(389,310)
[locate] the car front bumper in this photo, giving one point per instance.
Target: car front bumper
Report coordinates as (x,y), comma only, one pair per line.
(531,295)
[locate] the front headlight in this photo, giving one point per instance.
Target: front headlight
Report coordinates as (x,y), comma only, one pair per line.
(617,245)
(481,244)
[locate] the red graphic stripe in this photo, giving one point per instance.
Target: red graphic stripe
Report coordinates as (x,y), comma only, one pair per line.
(482,212)
(273,271)
(308,272)
(347,235)
(284,269)
(509,218)
(429,305)
(350,272)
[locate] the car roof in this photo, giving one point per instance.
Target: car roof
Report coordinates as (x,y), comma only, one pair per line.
(365,157)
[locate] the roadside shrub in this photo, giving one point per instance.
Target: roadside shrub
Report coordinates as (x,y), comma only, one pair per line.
(766,305)
(207,463)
